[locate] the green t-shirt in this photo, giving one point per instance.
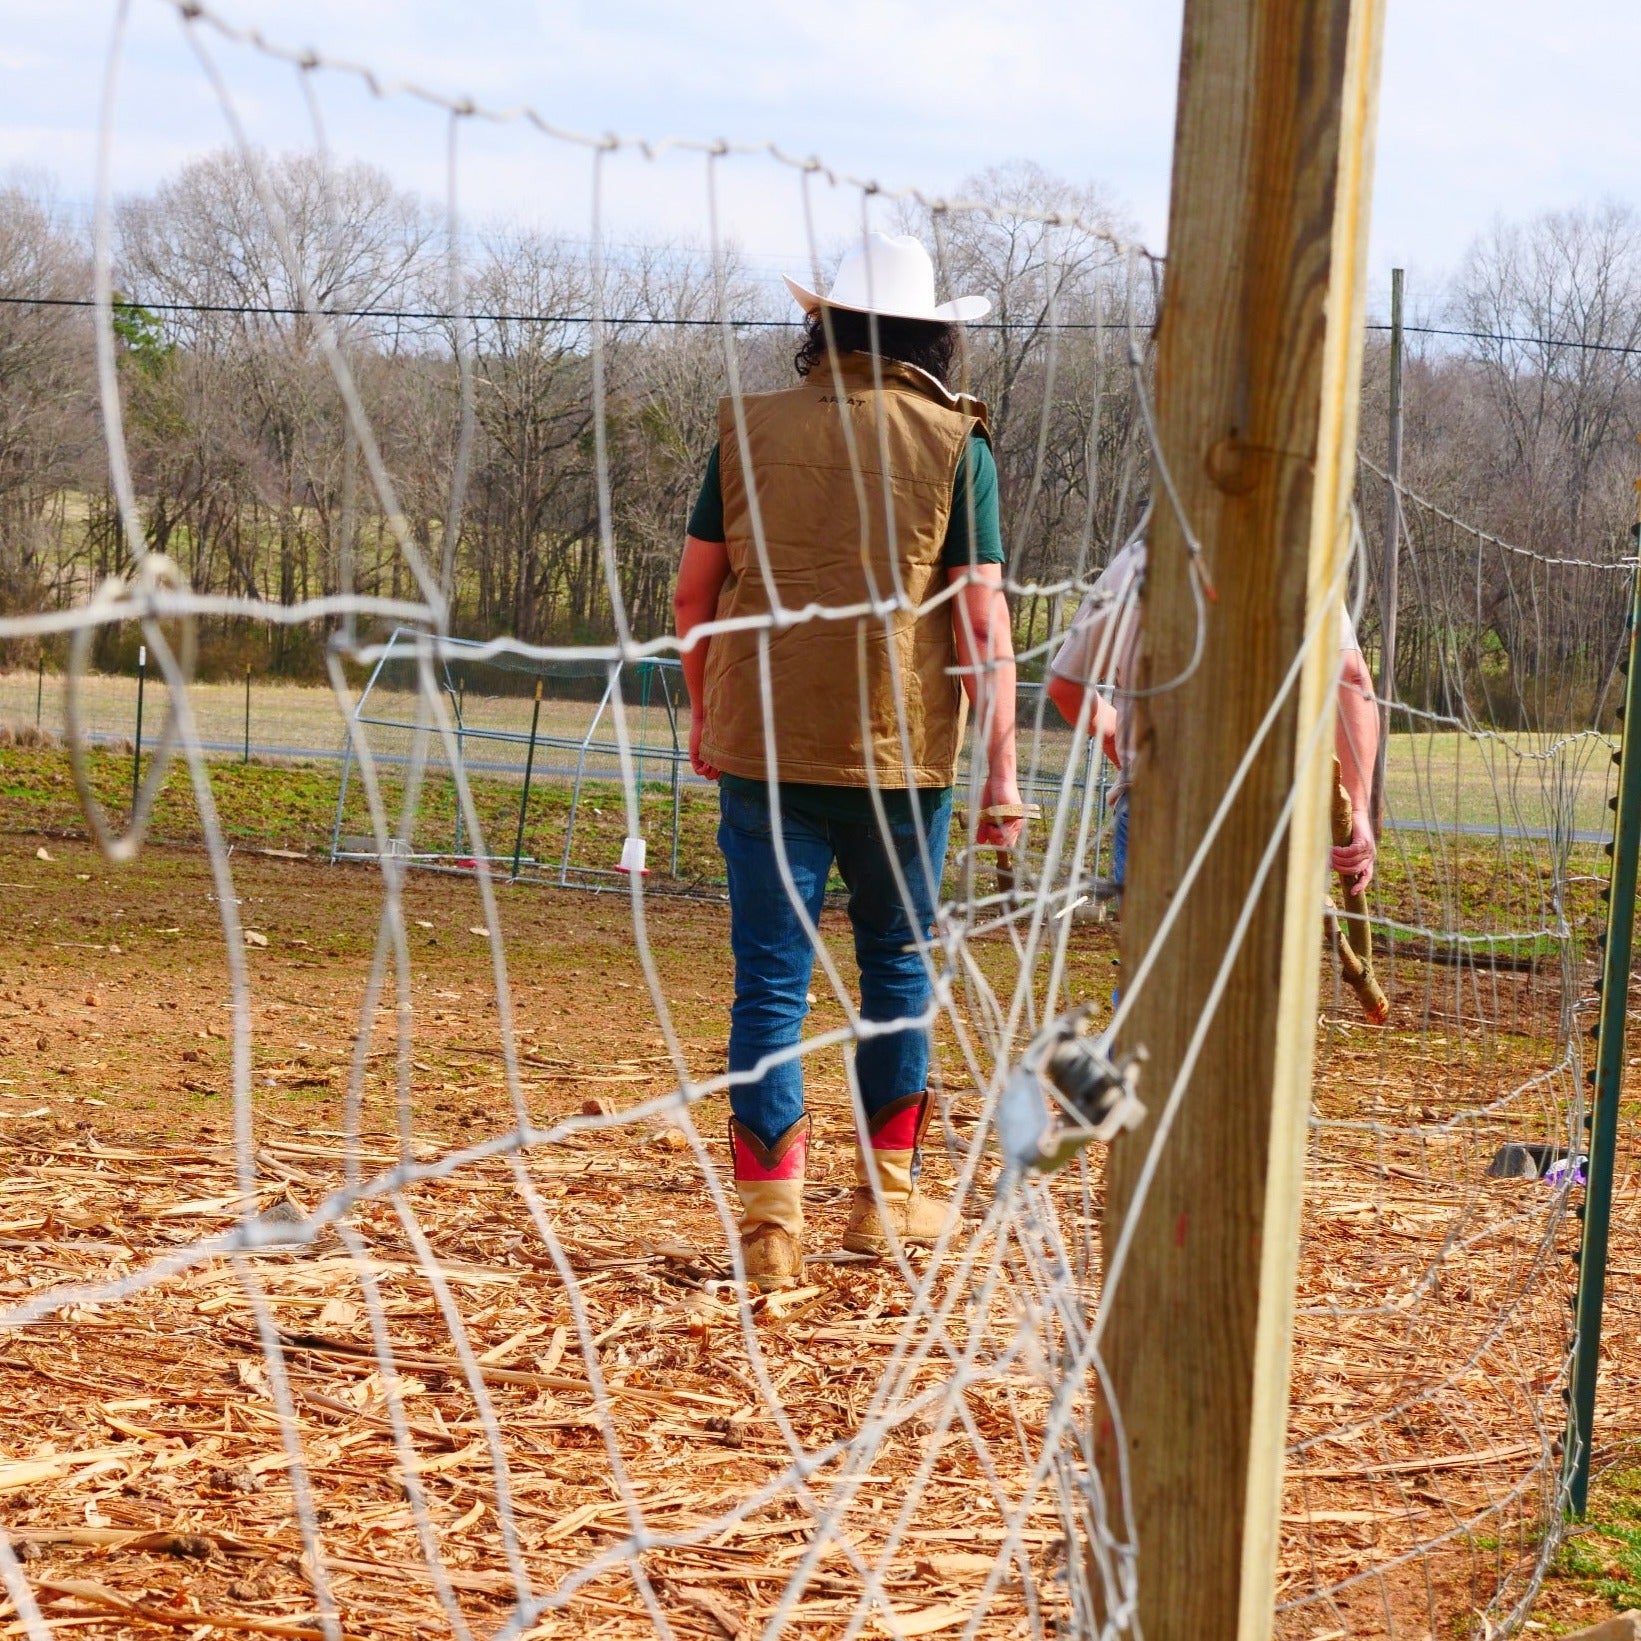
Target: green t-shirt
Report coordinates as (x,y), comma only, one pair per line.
(978,473)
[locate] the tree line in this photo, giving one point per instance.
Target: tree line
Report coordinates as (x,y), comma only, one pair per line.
(246,464)
(1523,426)
(250,477)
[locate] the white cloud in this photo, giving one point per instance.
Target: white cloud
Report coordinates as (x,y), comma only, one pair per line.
(1490,106)
(869,85)
(1497,107)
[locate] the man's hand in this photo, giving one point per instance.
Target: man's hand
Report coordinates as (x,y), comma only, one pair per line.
(1354,861)
(999,834)
(697,723)
(1105,726)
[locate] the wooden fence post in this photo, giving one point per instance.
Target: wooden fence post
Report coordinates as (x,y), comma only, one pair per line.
(1258,371)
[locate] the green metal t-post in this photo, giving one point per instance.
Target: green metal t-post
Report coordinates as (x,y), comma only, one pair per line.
(459,700)
(1608,1078)
(136,750)
(524,796)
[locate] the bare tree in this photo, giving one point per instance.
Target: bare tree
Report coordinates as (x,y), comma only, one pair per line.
(533,517)
(247,245)
(1556,307)
(670,375)
(1051,359)
(1522,423)
(241,253)
(1554,373)
(48,427)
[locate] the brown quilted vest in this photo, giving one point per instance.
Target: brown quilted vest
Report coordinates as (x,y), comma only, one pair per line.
(839,532)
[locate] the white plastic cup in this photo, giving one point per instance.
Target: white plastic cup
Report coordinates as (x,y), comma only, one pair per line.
(632,857)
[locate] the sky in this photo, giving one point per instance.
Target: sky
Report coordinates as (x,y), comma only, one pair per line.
(1489,108)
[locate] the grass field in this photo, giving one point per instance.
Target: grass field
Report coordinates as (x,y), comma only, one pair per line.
(1506,782)
(1465,886)
(302,720)
(1429,1340)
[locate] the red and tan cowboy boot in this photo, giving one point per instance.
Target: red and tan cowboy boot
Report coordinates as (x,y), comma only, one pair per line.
(769,1182)
(897,1212)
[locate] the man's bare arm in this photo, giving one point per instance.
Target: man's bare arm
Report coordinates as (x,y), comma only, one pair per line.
(985,652)
(701,575)
(1074,699)
(1356,740)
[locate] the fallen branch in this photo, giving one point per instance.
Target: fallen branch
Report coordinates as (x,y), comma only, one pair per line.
(102,1599)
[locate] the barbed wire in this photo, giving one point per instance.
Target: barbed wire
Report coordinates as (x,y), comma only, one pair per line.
(1625,563)
(133,304)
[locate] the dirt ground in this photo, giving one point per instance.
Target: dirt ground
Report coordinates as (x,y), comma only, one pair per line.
(145,1470)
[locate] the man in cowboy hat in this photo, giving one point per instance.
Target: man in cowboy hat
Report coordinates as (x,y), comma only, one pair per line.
(868,488)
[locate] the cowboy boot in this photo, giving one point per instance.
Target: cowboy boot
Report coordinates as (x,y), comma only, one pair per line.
(896,1212)
(769,1182)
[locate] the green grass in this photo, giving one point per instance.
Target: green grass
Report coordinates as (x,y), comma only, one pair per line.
(1481,950)
(1506,781)
(1498,894)
(1598,1565)
(1446,779)
(303,717)
(292,805)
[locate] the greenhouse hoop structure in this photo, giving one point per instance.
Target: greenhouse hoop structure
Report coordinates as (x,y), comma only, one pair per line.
(546,729)
(534,737)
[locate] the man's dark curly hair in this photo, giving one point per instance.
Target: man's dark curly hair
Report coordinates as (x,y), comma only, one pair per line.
(926,343)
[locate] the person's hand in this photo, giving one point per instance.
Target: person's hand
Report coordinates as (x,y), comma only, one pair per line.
(697,723)
(999,834)
(1105,727)
(1354,861)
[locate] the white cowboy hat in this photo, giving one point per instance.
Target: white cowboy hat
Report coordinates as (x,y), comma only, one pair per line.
(891,275)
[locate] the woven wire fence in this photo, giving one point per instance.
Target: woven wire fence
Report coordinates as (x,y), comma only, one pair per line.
(512,1382)
(1447,1148)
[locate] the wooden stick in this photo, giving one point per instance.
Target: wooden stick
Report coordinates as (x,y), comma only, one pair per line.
(100,1599)
(1006,878)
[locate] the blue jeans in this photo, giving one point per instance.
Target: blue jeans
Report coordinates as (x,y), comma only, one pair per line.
(1119,860)
(774,958)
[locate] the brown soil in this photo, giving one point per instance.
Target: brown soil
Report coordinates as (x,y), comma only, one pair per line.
(162,1477)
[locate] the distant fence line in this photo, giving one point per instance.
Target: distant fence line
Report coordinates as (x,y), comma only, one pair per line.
(288,722)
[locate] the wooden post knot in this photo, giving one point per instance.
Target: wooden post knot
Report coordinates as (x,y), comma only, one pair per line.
(1236,466)
(1231,466)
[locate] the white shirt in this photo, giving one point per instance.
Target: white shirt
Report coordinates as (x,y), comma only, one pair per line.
(1101,643)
